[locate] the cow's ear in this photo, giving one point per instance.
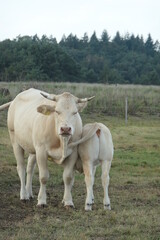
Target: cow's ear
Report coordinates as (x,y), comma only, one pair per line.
(82,103)
(45,109)
(81,106)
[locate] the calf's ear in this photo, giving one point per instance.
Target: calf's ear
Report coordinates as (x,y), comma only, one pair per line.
(45,109)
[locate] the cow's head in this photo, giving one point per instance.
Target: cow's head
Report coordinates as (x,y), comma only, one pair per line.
(66,107)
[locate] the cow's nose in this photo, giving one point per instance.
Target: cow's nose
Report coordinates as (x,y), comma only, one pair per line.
(66,130)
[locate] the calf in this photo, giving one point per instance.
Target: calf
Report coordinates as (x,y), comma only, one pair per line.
(96,150)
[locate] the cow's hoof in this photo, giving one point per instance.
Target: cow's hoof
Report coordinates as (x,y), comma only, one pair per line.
(67,203)
(41,205)
(107,207)
(69,207)
(24,200)
(88,207)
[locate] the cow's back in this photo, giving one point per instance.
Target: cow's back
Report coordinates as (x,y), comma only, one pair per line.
(23,109)
(23,115)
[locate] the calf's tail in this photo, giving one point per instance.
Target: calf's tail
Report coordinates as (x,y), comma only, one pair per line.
(89,134)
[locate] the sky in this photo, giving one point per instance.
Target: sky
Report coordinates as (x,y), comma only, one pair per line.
(58,17)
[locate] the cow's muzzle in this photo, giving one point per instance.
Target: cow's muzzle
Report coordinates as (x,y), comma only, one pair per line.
(65,131)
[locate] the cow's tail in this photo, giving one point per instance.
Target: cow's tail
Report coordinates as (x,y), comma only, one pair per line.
(6,105)
(95,127)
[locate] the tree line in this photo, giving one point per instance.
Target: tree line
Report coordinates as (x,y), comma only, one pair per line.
(124,59)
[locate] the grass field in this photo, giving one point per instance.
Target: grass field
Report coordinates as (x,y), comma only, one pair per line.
(134,188)
(109,99)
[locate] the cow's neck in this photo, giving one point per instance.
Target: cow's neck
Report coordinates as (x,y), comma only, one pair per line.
(59,154)
(64,143)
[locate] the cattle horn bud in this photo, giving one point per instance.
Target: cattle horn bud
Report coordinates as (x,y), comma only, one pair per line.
(49,96)
(83,100)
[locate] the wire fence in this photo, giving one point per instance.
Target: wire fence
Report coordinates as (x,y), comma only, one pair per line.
(124,106)
(110,100)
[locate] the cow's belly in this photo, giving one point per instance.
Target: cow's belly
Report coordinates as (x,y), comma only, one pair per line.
(20,122)
(25,142)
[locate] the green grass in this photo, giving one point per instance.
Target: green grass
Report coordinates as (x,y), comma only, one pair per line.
(109,99)
(134,190)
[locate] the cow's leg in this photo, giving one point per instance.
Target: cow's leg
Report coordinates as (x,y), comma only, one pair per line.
(19,155)
(89,179)
(68,178)
(105,183)
(30,170)
(43,175)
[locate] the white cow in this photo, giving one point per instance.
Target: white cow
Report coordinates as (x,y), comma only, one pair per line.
(43,125)
(96,150)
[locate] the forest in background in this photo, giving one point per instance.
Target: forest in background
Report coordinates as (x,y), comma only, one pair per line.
(125,59)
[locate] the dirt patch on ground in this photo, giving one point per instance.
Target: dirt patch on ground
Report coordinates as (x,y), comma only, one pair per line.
(13,210)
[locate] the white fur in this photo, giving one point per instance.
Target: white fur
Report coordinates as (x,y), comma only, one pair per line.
(96,150)
(34,123)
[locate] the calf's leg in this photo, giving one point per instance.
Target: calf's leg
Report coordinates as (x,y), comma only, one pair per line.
(105,183)
(89,180)
(93,176)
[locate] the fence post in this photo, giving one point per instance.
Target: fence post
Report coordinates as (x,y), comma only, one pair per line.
(126,110)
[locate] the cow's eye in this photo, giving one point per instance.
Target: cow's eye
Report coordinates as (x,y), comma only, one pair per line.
(58,112)
(74,113)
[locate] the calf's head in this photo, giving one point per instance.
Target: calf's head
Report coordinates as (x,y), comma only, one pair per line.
(66,108)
